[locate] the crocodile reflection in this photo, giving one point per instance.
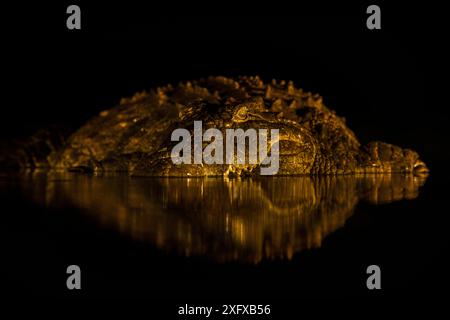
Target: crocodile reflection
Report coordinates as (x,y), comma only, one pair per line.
(228,219)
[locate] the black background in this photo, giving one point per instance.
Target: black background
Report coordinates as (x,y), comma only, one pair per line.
(380,80)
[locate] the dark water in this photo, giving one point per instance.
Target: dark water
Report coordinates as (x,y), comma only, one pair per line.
(183,239)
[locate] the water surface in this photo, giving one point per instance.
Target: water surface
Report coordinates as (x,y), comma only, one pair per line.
(246,220)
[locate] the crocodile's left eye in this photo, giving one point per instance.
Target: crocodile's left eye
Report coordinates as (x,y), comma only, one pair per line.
(241,114)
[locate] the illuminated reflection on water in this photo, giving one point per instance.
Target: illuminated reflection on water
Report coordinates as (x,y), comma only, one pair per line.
(225,219)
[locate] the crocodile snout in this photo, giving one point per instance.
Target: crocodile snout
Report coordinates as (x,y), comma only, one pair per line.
(420,168)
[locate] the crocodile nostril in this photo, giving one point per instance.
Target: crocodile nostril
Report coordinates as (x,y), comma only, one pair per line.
(420,168)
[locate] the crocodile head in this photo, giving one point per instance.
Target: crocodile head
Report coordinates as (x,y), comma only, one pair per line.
(296,146)
(380,157)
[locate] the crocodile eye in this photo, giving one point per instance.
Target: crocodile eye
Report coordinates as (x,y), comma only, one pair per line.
(241,114)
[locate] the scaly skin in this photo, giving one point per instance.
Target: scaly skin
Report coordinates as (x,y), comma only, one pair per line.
(135,136)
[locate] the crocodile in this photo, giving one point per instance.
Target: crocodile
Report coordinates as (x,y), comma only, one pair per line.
(135,135)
